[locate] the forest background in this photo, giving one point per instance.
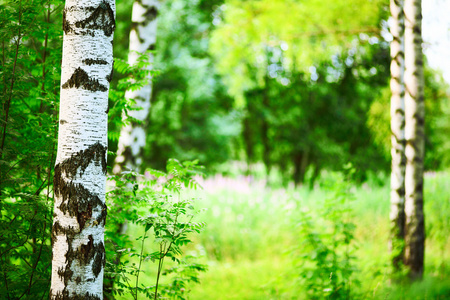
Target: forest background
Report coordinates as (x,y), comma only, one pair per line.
(287,107)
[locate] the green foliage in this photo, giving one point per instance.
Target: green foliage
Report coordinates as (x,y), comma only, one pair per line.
(303,84)
(300,122)
(325,256)
(131,78)
(154,202)
(191,116)
(307,31)
(286,83)
(30,56)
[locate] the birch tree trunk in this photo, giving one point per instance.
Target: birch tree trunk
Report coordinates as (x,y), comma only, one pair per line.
(415,139)
(397,214)
(142,38)
(80,171)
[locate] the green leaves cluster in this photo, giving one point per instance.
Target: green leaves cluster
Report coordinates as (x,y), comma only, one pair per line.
(287,83)
(129,78)
(326,264)
(303,123)
(307,31)
(158,207)
(191,116)
(30,59)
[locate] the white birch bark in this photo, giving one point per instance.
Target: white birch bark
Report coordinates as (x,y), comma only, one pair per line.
(80,170)
(397,215)
(142,38)
(415,139)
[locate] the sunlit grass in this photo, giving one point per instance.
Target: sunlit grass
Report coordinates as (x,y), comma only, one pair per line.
(252,228)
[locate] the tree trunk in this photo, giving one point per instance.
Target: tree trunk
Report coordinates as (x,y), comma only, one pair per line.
(397,214)
(142,38)
(415,140)
(247,135)
(301,162)
(315,174)
(265,127)
(80,171)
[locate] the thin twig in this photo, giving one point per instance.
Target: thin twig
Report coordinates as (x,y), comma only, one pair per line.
(8,103)
(5,279)
(44,56)
(160,264)
(140,263)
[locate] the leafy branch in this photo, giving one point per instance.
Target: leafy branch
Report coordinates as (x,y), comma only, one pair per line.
(167,218)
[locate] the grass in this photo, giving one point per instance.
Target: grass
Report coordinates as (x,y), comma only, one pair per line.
(252,228)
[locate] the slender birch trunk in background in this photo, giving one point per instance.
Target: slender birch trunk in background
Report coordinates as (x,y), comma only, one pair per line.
(142,38)
(397,215)
(80,171)
(415,140)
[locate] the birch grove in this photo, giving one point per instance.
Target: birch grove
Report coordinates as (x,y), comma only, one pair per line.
(142,38)
(397,216)
(415,139)
(80,170)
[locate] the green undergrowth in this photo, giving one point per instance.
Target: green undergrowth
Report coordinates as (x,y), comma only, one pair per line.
(252,230)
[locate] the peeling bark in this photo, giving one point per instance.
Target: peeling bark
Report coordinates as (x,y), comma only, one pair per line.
(415,140)
(142,38)
(80,170)
(397,214)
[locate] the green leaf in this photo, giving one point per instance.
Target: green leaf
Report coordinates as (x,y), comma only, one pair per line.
(148,226)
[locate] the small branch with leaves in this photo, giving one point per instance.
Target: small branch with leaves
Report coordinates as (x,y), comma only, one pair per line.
(167,218)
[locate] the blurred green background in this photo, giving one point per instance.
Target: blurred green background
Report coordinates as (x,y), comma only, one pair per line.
(274,98)
(301,86)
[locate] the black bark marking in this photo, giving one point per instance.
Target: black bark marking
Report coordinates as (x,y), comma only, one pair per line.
(150,15)
(65,273)
(101,219)
(84,216)
(91,61)
(110,76)
(400,141)
(102,18)
(78,201)
(67,27)
(151,47)
(64,295)
(84,255)
(417,29)
(418,189)
(82,159)
(398,39)
(99,260)
(134,26)
(80,79)
(86,252)
(57,229)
